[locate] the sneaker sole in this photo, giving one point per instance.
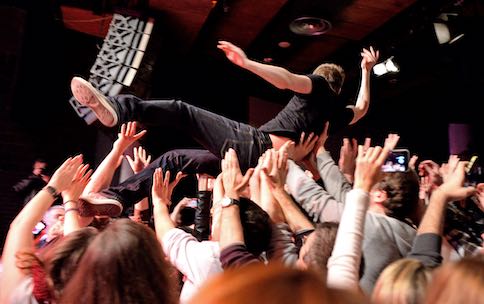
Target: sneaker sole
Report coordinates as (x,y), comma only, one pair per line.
(89,96)
(90,208)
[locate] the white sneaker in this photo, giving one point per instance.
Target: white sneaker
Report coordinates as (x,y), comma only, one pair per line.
(98,204)
(89,96)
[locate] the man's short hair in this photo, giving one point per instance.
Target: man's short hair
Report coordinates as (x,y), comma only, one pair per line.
(402,194)
(257,226)
(334,75)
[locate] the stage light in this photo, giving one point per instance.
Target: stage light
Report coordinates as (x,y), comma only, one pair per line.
(448,29)
(387,66)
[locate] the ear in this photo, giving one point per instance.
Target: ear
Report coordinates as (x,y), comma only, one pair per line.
(378,196)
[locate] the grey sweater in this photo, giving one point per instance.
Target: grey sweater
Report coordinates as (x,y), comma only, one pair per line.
(385,239)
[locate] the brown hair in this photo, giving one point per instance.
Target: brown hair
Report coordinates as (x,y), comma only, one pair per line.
(124,264)
(334,75)
(321,247)
(402,282)
(402,194)
(458,282)
(59,259)
(274,283)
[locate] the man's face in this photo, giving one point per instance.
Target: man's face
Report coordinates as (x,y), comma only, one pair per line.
(39,168)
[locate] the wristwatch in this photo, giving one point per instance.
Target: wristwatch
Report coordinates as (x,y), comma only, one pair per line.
(226,202)
(52,191)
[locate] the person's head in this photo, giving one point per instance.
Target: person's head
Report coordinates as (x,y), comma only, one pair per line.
(255,222)
(58,259)
(257,226)
(274,283)
(317,248)
(123,264)
(458,282)
(334,75)
(53,214)
(397,193)
(39,167)
(403,282)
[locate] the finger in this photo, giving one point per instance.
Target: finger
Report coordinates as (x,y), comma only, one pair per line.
(139,135)
(179,176)
(123,129)
(361,151)
(367,143)
(383,155)
(130,160)
(375,154)
(246,178)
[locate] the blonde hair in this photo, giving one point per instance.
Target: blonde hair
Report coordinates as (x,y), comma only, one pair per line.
(458,282)
(334,75)
(402,282)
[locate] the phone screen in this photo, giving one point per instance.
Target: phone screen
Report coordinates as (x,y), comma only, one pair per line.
(397,161)
(39,227)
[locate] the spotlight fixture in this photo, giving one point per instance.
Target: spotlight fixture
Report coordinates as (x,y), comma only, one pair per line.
(447,29)
(387,66)
(310,26)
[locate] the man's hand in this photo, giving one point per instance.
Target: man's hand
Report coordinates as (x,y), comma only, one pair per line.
(127,136)
(162,189)
(303,148)
(233,180)
(140,159)
(369,58)
(368,167)
(233,53)
(453,187)
(275,168)
(347,158)
(63,176)
(79,182)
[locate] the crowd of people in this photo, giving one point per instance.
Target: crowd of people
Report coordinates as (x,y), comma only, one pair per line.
(275,218)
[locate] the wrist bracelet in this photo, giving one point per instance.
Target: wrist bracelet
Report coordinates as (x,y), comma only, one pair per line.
(71,209)
(70,201)
(52,191)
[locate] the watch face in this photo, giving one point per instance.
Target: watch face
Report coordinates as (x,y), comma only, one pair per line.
(226,202)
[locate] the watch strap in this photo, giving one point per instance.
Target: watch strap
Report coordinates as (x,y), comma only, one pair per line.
(52,191)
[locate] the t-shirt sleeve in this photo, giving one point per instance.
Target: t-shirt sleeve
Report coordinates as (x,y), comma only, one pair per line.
(319,88)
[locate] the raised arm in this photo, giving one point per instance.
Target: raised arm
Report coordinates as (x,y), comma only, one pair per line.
(369,59)
(19,237)
(277,76)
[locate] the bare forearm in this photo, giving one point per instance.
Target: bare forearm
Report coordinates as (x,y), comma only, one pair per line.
(295,218)
(71,216)
(432,221)
(363,100)
(163,222)
(102,177)
(231,231)
(280,77)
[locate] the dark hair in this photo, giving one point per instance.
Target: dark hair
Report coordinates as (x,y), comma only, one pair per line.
(321,247)
(60,258)
(402,194)
(124,264)
(257,226)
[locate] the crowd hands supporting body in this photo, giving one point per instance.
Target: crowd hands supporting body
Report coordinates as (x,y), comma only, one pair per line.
(296,228)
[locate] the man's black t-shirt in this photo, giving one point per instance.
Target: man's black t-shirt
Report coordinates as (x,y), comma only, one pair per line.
(309,112)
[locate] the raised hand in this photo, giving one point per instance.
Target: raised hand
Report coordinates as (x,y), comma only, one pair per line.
(275,169)
(63,176)
(79,182)
(347,158)
(233,53)
(140,159)
(233,180)
(303,148)
(162,189)
(453,187)
(127,136)
(368,167)
(369,58)
(391,141)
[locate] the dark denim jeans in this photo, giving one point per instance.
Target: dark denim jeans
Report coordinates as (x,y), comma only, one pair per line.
(189,161)
(214,132)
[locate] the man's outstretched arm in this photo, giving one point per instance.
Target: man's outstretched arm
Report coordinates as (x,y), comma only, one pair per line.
(369,59)
(277,76)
